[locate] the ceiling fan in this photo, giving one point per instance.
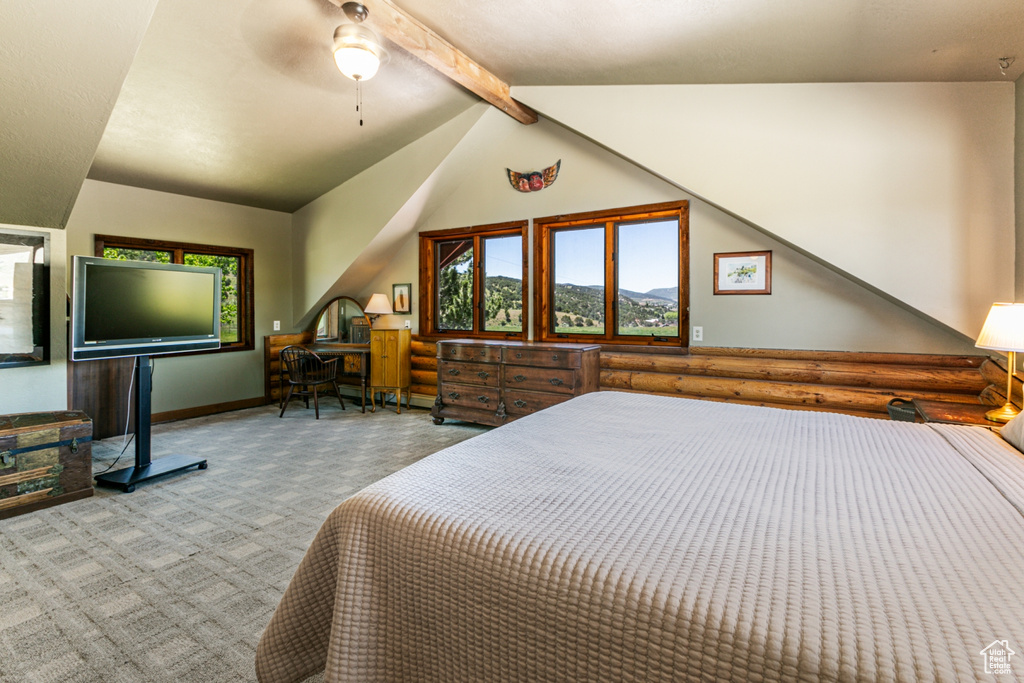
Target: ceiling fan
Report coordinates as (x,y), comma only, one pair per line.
(357,50)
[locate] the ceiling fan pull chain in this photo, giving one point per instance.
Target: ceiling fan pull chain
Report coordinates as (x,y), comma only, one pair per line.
(359,99)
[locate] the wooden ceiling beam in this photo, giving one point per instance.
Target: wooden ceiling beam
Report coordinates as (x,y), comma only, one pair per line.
(421,42)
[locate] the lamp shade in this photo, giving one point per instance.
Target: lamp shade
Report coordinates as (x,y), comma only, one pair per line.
(378,305)
(357,51)
(1003,329)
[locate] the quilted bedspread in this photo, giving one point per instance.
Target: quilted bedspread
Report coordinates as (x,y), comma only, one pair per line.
(624,537)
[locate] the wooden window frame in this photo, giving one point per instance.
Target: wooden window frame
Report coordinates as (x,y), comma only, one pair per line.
(543,284)
(246,295)
(429,279)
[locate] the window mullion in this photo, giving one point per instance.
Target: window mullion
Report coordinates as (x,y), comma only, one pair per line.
(478,285)
(611,289)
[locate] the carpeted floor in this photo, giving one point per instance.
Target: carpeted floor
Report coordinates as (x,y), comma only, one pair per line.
(176,581)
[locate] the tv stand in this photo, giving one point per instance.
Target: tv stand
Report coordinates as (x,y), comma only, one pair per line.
(145,467)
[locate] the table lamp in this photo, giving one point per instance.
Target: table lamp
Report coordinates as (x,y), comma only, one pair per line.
(377,306)
(1004,331)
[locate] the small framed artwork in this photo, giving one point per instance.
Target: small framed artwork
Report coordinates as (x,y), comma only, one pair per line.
(743,272)
(401,297)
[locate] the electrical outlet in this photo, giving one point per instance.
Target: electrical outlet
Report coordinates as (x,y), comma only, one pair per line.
(698,334)
(408,324)
(277,326)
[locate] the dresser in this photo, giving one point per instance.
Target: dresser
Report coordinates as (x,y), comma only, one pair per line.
(390,365)
(494,382)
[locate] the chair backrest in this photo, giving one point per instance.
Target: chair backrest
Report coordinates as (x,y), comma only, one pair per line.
(304,366)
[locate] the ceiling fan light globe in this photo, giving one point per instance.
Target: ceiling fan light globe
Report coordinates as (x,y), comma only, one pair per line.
(356,62)
(357,51)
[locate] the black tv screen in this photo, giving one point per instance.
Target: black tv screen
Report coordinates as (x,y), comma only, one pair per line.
(136,308)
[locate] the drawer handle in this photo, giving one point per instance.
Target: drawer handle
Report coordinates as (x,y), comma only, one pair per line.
(454,351)
(556,382)
(6,458)
(483,399)
(554,357)
(483,374)
(520,403)
(454,395)
(519,355)
(453,371)
(520,378)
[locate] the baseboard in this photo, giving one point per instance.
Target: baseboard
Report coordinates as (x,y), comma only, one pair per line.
(201,411)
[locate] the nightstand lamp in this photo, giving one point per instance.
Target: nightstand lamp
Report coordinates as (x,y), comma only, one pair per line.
(377,306)
(1004,331)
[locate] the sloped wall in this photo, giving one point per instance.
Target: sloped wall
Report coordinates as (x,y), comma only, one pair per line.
(330,233)
(811,306)
(906,187)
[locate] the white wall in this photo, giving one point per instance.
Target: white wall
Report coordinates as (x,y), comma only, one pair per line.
(811,307)
(42,388)
(907,187)
(336,232)
(1019,187)
(199,379)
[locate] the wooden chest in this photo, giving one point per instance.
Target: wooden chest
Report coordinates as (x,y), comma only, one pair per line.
(494,382)
(45,459)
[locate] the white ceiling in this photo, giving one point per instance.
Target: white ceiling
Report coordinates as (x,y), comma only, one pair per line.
(239,100)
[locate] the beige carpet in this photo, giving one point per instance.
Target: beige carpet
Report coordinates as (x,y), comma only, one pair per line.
(176,581)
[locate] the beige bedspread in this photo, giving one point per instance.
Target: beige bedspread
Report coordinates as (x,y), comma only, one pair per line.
(623,537)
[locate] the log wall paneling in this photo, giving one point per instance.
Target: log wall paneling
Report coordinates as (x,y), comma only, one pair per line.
(856,383)
(272,345)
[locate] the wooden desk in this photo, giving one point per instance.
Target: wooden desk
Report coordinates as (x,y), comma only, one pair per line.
(955,413)
(349,356)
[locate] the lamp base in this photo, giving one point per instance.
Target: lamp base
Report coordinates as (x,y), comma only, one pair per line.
(1004,413)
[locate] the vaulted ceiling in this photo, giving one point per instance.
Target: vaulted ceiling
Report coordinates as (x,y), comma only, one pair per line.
(240,101)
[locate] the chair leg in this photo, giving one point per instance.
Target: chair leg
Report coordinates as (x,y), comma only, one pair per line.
(284,403)
(316,403)
(337,391)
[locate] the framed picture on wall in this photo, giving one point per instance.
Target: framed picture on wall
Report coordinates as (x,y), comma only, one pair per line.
(743,272)
(401,296)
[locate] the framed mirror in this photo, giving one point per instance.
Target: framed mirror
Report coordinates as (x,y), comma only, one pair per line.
(24,298)
(341,321)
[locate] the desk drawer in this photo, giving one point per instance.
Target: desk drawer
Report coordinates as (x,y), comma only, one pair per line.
(543,357)
(540,379)
(472,352)
(468,396)
(483,374)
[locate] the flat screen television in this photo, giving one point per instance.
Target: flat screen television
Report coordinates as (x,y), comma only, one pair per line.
(140,308)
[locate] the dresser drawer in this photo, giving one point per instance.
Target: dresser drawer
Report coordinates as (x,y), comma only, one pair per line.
(557,380)
(543,357)
(519,403)
(472,352)
(468,396)
(484,374)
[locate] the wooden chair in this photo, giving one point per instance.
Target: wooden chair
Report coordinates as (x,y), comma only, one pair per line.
(308,371)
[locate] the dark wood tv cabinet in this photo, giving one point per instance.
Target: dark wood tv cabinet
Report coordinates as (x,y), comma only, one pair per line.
(494,382)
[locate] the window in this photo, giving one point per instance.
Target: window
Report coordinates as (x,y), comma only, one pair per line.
(471,281)
(236,290)
(615,276)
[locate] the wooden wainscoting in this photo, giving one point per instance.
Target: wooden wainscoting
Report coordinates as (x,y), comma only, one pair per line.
(838,381)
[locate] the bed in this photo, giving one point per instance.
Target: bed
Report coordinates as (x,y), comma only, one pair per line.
(626,537)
